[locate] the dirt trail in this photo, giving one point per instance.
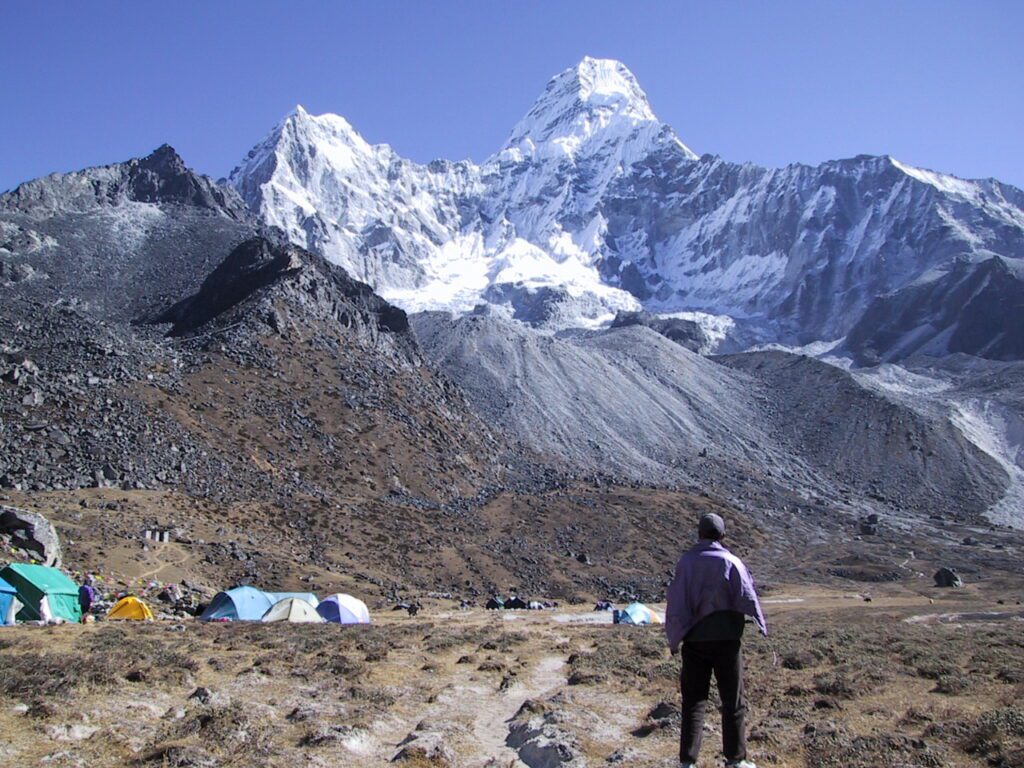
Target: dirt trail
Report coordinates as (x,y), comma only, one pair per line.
(159,554)
(490,726)
(473,711)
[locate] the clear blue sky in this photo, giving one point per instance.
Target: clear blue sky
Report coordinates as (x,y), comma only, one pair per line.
(936,84)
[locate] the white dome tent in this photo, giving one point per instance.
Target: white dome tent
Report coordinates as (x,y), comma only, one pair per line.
(344,609)
(293,609)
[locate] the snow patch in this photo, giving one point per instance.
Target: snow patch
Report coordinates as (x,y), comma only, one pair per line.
(716,328)
(894,379)
(818,349)
(131,222)
(948,184)
(1000,433)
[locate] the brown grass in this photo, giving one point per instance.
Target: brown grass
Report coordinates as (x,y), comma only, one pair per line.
(842,687)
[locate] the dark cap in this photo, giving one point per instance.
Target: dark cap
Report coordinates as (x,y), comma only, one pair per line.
(711,526)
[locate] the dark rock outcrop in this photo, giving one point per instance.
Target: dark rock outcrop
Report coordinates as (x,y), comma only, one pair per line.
(948,577)
(686,333)
(974,308)
(259,263)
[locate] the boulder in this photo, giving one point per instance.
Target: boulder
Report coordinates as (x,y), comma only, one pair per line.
(534,733)
(424,747)
(33,532)
(685,333)
(868,529)
(948,577)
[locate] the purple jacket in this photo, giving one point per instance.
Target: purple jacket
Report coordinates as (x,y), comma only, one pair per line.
(86,594)
(709,578)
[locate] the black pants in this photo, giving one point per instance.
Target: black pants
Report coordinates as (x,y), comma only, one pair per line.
(725,659)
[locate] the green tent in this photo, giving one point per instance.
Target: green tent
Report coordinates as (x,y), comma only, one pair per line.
(34,582)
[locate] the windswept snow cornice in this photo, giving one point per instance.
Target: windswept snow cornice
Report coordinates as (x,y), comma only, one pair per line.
(951,185)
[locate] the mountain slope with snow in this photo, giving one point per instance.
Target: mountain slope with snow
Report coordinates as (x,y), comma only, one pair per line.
(453,235)
(594,206)
(806,247)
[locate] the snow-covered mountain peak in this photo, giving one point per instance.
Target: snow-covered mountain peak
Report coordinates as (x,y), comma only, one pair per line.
(595,206)
(304,167)
(583,108)
(606,82)
(324,131)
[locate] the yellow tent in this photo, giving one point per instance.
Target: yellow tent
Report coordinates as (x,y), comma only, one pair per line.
(130,608)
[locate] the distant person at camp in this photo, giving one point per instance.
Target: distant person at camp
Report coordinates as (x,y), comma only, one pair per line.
(708,602)
(86,596)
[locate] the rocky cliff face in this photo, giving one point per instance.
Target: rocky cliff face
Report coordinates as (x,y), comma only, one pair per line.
(974,308)
(264,270)
(806,249)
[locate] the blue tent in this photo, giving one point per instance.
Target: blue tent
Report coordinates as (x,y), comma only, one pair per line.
(247,603)
(8,595)
(238,604)
(638,613)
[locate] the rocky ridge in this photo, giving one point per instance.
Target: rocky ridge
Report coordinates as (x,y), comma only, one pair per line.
(119,242)
(94,393)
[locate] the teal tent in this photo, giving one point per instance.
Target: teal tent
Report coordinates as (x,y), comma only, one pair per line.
(638,613)
(35,582)
(8,602)
(247,604)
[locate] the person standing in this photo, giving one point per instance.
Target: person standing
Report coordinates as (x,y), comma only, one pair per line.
(86,596)
(708,602)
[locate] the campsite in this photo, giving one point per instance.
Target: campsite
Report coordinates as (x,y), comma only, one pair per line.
(511,384)
(331,669)
(857,670)
(476,687)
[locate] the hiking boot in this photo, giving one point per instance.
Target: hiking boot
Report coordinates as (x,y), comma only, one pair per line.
(740,764)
